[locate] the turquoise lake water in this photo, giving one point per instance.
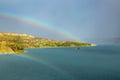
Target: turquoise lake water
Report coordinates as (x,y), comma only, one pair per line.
(88,63)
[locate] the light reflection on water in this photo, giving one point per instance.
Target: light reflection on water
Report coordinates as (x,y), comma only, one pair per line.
(88,63)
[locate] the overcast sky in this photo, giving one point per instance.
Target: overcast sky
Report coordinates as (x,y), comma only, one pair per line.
(88,20)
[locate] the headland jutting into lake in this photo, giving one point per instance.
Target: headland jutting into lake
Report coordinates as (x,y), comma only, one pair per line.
(12,43)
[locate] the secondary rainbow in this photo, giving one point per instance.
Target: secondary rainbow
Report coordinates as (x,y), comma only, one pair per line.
(40,24)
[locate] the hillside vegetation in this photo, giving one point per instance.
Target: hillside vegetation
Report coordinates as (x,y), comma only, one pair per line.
(15,43)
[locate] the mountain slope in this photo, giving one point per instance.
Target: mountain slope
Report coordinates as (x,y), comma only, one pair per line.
(15,43)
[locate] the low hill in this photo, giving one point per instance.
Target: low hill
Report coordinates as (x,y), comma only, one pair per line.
(15,43)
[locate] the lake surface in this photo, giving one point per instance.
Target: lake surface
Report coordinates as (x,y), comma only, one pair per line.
(88,63)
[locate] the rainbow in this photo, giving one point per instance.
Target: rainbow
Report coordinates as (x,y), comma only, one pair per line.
(40,24)
(40,61)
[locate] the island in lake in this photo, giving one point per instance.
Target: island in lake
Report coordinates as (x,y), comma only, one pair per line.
(12,43)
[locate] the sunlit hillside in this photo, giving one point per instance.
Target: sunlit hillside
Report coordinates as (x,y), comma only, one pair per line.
(15,43)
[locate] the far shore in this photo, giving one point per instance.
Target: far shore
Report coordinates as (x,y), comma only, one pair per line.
(24,51)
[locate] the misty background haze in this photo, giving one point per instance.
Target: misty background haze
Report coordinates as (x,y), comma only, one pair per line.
(95,21)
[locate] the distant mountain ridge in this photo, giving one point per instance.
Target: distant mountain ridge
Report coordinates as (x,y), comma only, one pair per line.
(15,43)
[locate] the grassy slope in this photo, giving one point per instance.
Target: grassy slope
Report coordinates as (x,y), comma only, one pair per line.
(15,43)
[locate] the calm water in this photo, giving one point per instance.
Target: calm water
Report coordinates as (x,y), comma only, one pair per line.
(88,63)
